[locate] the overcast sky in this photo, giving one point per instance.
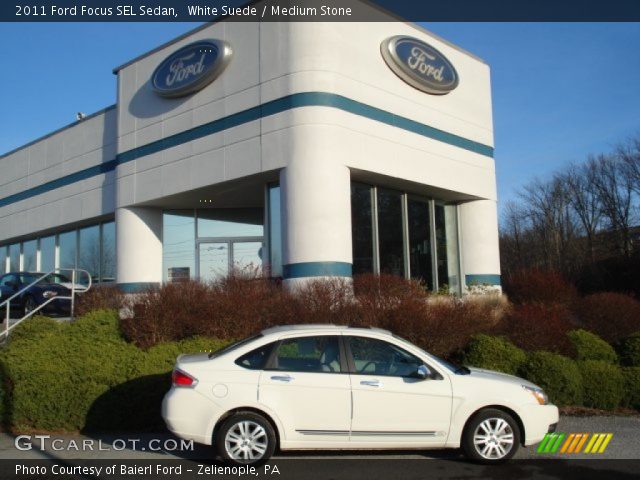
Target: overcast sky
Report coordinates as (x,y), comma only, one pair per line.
(560,90)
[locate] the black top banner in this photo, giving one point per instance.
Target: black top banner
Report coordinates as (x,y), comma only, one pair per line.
(319,10)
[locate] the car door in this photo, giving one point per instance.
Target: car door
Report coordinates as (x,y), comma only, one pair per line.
(391,405)
(307,385)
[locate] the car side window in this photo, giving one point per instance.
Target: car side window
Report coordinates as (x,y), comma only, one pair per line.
(6,279)
(377,357)
(309,354)
(256,359)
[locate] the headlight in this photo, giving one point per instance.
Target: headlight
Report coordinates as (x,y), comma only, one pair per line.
(538,394)
(49,294)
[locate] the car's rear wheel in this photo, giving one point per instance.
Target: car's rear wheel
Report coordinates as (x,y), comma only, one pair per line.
(246,438)
(29,305)
(491,436)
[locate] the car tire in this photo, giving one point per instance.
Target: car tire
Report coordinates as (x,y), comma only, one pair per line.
(491,436)
(29,305)
(245,438)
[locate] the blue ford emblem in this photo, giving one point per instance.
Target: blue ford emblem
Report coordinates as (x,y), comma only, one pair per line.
(191,68)
(419,64)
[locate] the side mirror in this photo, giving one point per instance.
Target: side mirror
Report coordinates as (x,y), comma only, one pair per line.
(423,372)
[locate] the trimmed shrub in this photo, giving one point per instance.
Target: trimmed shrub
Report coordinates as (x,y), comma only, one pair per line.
(630,350)
(540,286)
(239,306)
(589,346)
(603,384)
(494,353)
(85,376)
(631,397)
(539,327)
(613,316)
(558,375)
(99,297)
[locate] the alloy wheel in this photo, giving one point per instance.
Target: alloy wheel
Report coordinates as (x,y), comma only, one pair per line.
(246,440)
(493,438)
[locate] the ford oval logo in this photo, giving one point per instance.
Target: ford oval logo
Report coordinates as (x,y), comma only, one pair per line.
(419,64)
(191,68)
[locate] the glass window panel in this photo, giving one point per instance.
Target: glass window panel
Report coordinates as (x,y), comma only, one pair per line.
(453,256)
(47,254)
(362,228)
(108,259)
(390,232)
(377,357)
(275,232)
(3,260)
(447,247)
(230,222)
(67,243)
(309,354)
(14,257)
(214,261)
(420,241)
(89,257)
(178,247)
(247,257)
(29,252)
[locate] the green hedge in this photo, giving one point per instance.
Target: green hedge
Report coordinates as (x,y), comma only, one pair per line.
(557,374)
(631,396)
(630,350)
(589,346)
(493,353)
(604,384)
(84,376)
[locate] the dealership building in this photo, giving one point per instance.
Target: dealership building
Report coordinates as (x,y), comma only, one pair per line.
(304,150)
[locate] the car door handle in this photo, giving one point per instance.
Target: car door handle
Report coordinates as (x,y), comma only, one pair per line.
(282,378)
(371,383)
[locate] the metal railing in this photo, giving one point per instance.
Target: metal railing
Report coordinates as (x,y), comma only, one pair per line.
(75,288)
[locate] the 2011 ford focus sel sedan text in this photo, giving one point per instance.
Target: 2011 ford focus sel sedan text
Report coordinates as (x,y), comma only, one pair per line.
(317,387)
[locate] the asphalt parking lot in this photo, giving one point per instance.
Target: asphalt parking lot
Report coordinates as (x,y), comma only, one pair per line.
(620,460)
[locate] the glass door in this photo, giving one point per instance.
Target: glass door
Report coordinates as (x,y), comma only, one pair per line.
(247,257)
(213,260)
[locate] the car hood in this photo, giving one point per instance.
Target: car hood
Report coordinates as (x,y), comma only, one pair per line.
(500,377)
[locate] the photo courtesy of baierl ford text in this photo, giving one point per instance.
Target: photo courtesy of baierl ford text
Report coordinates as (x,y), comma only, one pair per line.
(319,240)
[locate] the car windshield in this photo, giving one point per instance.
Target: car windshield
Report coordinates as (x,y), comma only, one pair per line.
(54,278)
(233,346)
(454,368)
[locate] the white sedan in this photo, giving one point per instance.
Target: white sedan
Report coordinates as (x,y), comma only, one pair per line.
(324,387)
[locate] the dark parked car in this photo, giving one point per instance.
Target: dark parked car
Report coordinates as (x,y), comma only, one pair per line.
(54,285)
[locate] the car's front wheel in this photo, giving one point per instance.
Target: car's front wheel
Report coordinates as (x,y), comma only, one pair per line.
(246,438)
(491,436)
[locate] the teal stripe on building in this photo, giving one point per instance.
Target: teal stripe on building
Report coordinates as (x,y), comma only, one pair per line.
(297,100)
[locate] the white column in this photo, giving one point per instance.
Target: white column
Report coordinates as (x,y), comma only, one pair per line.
(138,248)
(480,243)
(316,218)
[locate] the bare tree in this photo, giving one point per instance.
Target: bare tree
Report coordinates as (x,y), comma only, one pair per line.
(615,190)
(552,220)
(585,201)
(629,154)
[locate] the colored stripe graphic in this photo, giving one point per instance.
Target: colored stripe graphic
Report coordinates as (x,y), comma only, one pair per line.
(573,443)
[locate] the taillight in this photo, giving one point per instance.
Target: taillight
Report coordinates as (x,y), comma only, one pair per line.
(181,379)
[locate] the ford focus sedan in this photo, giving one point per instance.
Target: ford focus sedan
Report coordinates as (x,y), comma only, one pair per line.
(321,387)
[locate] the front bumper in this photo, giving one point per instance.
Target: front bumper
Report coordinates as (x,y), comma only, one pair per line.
(538,420)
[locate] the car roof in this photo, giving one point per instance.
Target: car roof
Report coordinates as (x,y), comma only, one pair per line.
(319,327)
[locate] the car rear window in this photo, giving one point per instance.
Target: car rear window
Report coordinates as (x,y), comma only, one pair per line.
(256,359)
